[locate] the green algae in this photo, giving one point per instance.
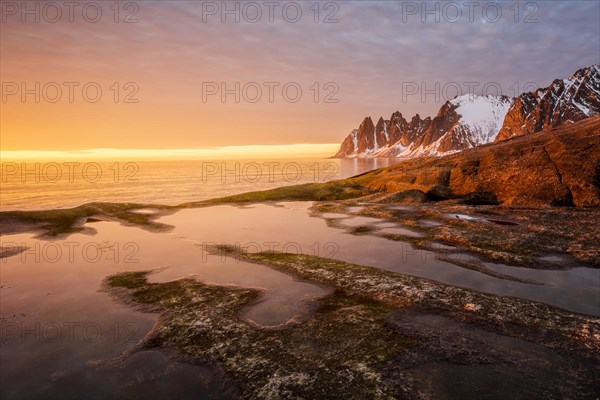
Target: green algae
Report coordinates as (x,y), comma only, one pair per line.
(337,354)
(70,220)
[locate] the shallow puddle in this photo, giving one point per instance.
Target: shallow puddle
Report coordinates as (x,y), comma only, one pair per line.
(401,232)
(57,322)
(558,260)
(284,300)
(56,319)
(491,366)
(430,223)
(441,246)
(360,221)
(386,225)
(263,227)
(402,208)
(144,375)
(333,215)
(581,286)
(145,211)
(355,209)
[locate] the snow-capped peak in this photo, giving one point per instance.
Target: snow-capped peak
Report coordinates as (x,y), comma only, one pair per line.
(471,120)
(481,115)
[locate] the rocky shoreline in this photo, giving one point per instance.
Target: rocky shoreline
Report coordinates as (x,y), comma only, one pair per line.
(383,334)
(374,337)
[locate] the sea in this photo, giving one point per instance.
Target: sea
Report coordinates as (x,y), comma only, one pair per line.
(42,185)
(61,329)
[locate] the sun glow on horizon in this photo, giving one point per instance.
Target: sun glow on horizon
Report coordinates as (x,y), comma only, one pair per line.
(304,150)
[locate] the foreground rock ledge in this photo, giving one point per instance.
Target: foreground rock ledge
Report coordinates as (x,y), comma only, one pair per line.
(372,338)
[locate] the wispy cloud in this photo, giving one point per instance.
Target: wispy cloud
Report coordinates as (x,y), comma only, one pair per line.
(373,49)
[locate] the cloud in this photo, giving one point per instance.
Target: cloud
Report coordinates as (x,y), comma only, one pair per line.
(373,49)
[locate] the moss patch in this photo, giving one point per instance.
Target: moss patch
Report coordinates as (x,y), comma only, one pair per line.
(66,221)
(337,354)
(304,192)
(357,230)
(70,220)
(350,345)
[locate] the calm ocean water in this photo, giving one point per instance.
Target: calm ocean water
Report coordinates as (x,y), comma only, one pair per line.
(31,185)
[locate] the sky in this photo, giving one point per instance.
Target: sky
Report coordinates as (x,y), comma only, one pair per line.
(191,74)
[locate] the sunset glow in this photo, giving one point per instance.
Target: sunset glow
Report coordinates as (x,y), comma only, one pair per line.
(173,75)
(336,199)
(216,153)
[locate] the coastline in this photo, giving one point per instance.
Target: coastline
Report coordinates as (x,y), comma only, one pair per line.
(384,334)
(368,331)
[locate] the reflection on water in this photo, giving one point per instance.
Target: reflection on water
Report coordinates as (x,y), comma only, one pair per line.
(34,185)
(56,322)
(264,227)
(285,300)
(401,232)
(359,221)
(144,375)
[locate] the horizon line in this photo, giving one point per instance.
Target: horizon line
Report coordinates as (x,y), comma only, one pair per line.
(298,150)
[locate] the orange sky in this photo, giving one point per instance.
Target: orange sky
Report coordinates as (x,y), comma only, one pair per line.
(168,70)
(171,52)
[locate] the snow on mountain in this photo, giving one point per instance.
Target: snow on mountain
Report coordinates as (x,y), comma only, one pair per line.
(481,116)
(565,100)
(470,120)
(464,122)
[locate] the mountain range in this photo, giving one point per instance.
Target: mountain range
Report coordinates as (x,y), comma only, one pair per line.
(472,120)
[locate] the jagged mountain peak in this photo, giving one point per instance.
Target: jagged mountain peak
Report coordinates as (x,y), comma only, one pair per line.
(472,120)
(367,120)
(462,122)
(563,101)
